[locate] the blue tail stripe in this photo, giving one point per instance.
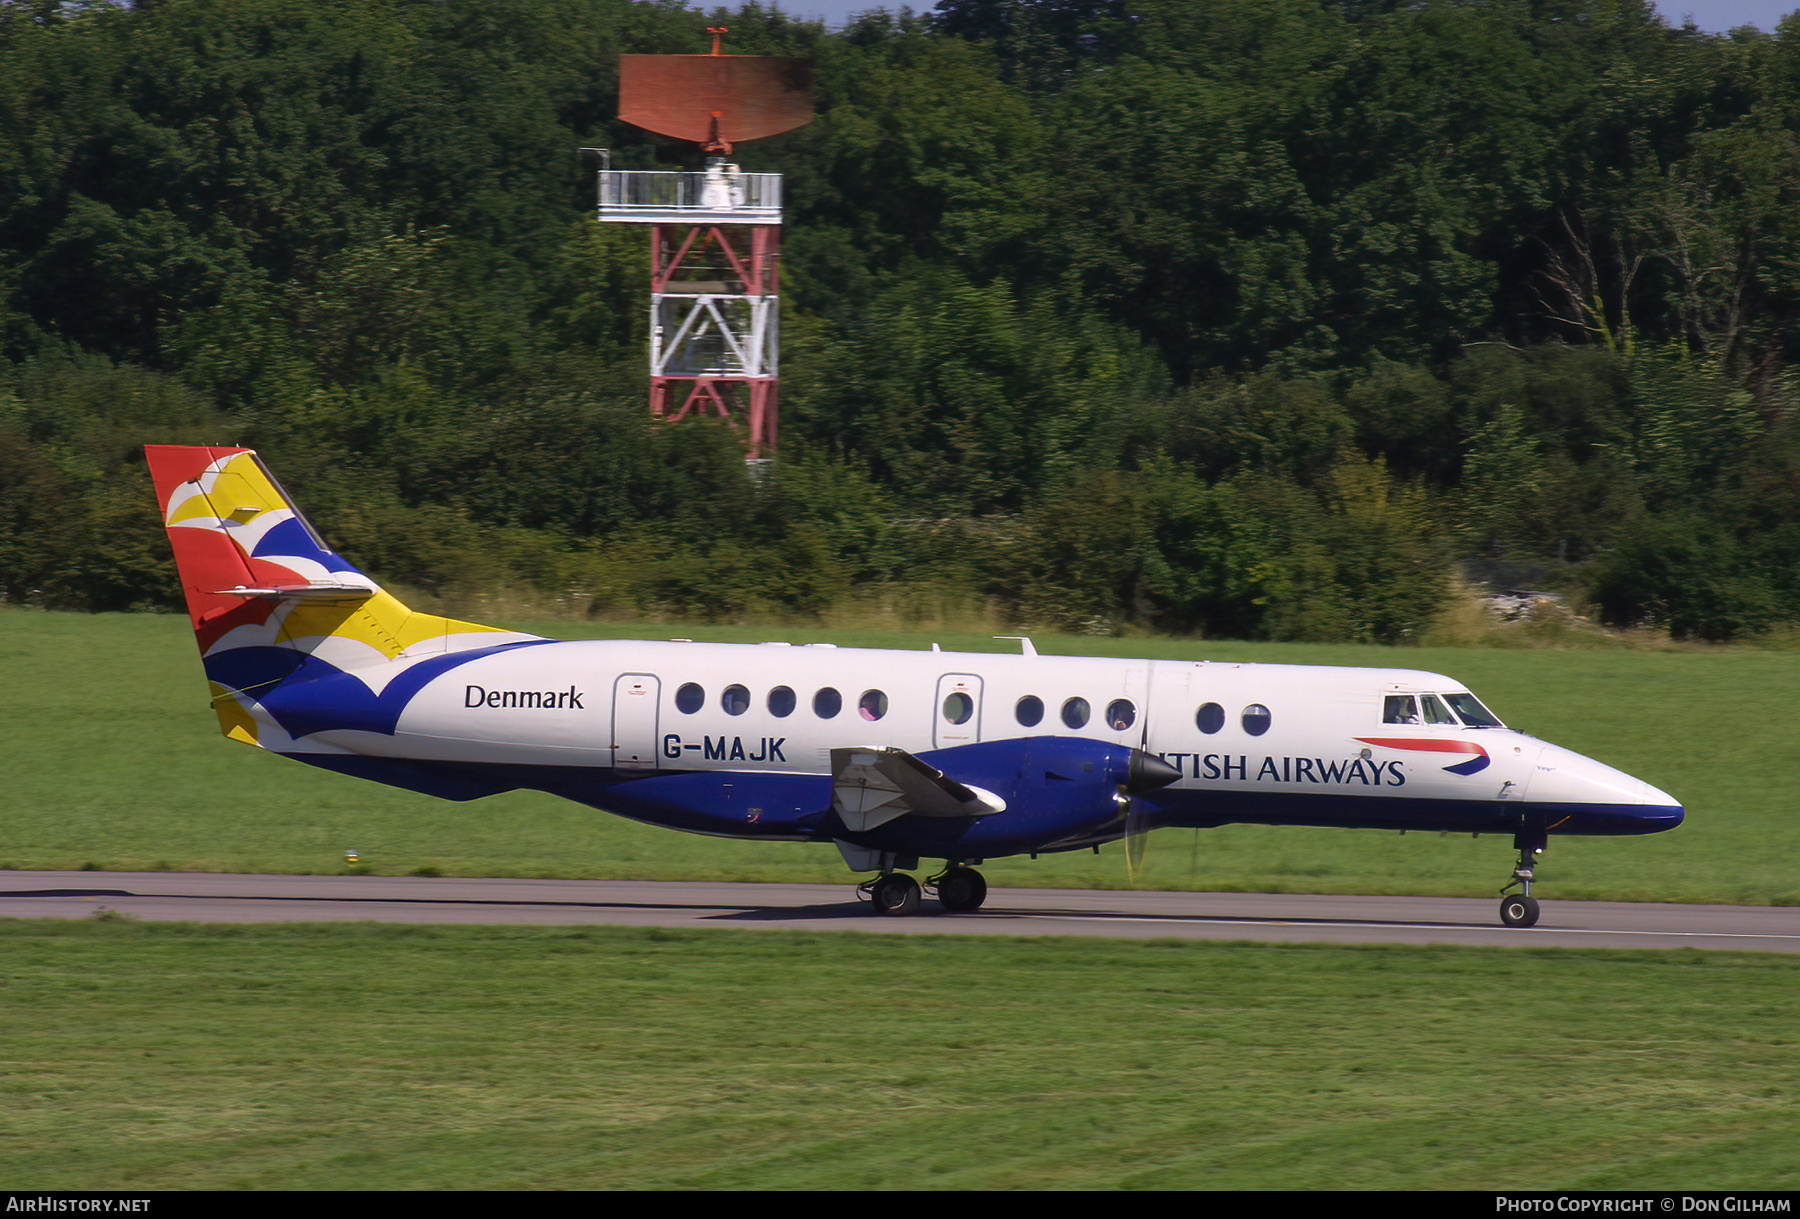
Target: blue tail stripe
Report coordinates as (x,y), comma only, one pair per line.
(292,538)
(306,695)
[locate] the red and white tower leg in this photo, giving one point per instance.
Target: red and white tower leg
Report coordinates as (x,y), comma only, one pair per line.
(715,292)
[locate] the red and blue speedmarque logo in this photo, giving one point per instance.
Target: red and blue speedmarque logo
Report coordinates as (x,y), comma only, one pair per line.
(1474,765)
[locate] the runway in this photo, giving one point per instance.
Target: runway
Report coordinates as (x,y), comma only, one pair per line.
(1291,918)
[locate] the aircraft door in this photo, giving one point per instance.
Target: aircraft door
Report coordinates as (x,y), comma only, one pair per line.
(956,715)
(1138,690)
(1174,695)
(637,698)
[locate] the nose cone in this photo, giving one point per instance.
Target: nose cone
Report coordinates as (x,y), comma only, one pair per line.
(1661,811)
(1655,818)
(1577,795)
(1149,772)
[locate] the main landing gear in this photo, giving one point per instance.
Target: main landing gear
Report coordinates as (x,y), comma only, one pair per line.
(1521,909)
(960,890)
(896,894)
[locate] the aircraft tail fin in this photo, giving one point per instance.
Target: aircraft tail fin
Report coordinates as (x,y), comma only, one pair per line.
(270,602)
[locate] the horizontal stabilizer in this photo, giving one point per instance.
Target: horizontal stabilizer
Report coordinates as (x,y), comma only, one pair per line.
(318,590)
(870,787)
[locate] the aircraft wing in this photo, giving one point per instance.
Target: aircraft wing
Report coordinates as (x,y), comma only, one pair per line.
(872,786)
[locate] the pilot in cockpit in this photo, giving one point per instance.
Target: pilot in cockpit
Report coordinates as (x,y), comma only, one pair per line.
(1400,709)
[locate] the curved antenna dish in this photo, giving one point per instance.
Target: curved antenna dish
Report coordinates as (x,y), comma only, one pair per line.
(715,100)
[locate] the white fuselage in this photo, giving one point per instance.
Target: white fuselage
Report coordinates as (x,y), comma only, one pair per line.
(674,706)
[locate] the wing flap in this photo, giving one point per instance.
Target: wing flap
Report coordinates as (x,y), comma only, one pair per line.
(873,786)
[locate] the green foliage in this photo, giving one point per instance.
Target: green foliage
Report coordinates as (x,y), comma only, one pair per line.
(1548,473)
(1286,428)
(1408,416)
(1197,264)
(1363,560)
(1693,573)
(931,155)
(1156,546)
(1695,426)
(853,514)
(78,524)
(965,399)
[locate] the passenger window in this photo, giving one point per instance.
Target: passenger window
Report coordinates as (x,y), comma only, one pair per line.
(1075,713)
(958,708)
(1399,709)
(1434,711)
(1210,718)
(1029,711)
(781,702)
(827,703)
(1121,714)
(689,699)
(735,700)
(872,705)
(1256,719)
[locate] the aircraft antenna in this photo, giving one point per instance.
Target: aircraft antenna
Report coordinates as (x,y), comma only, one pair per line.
(715,234)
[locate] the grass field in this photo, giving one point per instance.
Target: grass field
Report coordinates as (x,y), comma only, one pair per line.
(170,1056)
(114,761)
(178,1056)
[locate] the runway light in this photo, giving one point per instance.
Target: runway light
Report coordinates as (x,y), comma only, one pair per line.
(352,856)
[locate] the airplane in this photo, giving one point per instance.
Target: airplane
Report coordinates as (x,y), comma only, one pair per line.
(894,756)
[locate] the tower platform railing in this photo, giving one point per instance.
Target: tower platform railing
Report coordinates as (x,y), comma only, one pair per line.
(649,196)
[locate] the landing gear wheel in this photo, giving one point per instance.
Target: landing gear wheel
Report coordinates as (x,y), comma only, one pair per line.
(896,894)
(962,890)
(1519,911)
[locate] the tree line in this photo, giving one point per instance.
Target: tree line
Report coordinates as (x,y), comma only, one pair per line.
(1250,318)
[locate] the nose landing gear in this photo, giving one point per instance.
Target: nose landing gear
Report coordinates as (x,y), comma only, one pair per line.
(1521,909)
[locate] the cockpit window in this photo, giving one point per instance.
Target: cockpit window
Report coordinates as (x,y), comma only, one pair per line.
(1434,711)
(1400,709)
(1472,712)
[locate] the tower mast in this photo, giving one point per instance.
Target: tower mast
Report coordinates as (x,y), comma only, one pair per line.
(715,235)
